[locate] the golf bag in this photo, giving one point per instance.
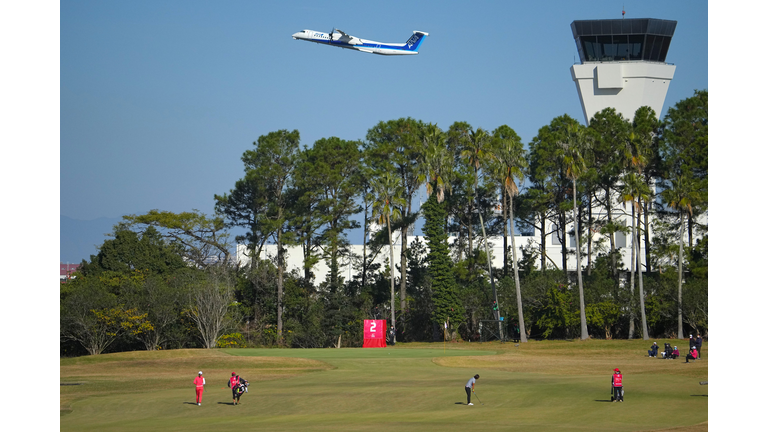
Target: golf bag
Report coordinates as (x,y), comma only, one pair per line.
(242,388)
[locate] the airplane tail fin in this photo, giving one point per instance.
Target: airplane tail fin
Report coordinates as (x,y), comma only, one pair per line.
(414,42)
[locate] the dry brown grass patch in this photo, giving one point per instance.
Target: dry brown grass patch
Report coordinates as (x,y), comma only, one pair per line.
(141,371)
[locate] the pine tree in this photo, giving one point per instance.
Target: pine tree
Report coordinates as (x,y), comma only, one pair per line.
(447,305)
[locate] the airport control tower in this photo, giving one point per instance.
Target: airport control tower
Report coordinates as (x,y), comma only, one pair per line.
(623,64)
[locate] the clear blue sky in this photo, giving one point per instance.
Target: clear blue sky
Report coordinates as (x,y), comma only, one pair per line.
(160,99)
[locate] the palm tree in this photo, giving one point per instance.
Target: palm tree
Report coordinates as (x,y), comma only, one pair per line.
(681,197)
(643,140)
(636,191)
(477,151)
(436,170)
(436,167)
(509,165)
(575,140)
(388,199)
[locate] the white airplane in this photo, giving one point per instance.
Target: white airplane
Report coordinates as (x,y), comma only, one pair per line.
(340,39)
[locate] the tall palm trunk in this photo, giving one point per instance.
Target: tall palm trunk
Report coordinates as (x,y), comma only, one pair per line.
(504,216)
(365,243)
(470,250)
(563,245)
(583,315)
(632,263)
(680,279)
(392,278)
(403,263)
(496,313)
(647,236)
(589,235)
(520,320)
(690,229)
(636,244)
(403,256)
(612,236)
(279,286)
(543,243)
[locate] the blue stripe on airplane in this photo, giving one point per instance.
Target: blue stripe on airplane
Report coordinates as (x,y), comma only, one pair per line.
(366,45)
(411,46)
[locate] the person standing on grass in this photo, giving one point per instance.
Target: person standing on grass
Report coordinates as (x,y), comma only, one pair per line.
(699,341)
(470,387)
(617,386)
(238,386)
(199,383)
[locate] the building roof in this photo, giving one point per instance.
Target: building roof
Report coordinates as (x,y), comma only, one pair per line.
(67,269)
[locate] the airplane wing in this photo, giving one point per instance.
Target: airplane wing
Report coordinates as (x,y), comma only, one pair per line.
(352,40)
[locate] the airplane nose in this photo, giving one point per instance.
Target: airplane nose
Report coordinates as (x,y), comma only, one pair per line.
(296,35)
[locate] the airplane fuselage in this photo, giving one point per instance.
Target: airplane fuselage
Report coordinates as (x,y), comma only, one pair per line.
(343,40)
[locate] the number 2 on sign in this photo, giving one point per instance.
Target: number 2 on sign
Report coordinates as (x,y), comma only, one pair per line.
(373,327)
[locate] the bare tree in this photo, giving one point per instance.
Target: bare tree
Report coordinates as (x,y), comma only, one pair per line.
(210,305)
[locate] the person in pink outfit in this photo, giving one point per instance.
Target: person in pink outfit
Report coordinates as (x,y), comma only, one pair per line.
(199,383)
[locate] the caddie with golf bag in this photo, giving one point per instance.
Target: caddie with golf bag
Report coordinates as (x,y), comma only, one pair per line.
(238,386)
(617,389)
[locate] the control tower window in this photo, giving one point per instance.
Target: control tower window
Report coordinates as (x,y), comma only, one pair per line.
(623,40)
(609,48)
(622,47)
(635,47)
(589,48)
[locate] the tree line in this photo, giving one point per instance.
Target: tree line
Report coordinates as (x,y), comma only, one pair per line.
(165,280)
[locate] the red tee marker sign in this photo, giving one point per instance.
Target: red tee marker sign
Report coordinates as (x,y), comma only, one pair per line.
(374,334)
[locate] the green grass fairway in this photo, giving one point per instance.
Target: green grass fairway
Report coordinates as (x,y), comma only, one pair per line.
(539,386)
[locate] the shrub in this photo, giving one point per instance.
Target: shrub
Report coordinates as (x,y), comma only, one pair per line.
(232,340)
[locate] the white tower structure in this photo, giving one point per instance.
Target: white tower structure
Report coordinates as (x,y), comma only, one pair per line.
(622,64)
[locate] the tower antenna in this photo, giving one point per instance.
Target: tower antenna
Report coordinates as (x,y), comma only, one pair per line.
(622,12)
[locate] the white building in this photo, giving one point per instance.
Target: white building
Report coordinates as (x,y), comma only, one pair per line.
(348,268)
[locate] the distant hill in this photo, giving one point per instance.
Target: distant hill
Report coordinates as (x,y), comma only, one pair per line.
(80,239)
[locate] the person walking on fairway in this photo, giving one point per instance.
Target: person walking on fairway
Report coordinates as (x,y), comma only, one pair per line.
(616,386)
(238,386)
(199,383)
(470,387)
